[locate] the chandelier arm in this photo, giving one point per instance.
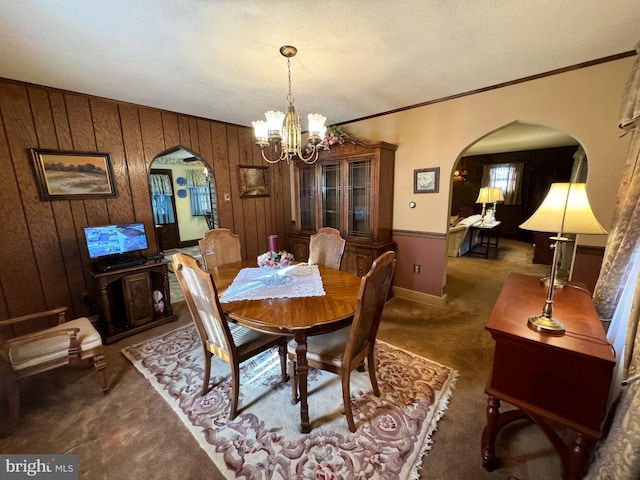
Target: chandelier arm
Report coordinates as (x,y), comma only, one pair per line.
(313,156)
(264,157)
(282,156)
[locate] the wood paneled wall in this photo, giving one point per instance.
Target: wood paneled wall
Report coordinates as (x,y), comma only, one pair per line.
(44,260)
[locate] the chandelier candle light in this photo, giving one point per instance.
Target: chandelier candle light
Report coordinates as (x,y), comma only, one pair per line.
(565,209)
(286,137)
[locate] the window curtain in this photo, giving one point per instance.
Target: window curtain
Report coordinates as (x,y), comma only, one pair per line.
(618,455)
(199,194)
(161,193)
(507,176)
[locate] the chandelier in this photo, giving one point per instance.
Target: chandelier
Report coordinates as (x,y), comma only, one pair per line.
(284,132)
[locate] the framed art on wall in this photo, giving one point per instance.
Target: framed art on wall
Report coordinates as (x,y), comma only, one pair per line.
(254,181)
(426,180)
(69,175)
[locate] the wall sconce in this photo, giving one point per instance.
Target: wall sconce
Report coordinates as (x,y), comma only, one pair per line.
(461,175)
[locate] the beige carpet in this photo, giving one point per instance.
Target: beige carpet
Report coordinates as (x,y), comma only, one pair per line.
(264,440)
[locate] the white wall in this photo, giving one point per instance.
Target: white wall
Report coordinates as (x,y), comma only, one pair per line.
(189,227)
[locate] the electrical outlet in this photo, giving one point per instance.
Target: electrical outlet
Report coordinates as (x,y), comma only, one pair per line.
(416,268)
(227,197)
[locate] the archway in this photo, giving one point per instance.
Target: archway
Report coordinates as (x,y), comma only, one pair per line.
(183,197)
(545,155)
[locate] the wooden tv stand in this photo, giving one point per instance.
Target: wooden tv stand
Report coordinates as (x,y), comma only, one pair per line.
(126,299)
(552,380)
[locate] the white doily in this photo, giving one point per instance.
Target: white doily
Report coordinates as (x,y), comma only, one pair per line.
(286,282)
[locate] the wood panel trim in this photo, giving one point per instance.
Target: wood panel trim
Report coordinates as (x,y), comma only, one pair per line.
(413,233)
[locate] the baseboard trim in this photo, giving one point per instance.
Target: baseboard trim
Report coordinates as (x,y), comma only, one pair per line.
(419,297)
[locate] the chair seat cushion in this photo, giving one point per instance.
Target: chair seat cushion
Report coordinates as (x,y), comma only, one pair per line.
(247,338)
(325,348)
(49,349)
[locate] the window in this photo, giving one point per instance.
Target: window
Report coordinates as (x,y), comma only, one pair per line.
(508,177)
(201,193)
(161,193)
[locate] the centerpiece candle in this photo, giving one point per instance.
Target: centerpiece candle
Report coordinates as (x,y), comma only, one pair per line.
(273,243)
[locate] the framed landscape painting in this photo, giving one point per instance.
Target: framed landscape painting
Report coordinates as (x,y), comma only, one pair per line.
(69,175)
(254,181)
(426,180)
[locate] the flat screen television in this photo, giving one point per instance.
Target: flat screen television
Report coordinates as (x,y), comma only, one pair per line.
(115,241)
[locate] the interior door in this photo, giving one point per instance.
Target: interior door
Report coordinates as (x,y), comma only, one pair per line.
(164,210)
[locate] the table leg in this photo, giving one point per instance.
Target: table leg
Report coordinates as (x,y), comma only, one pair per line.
(303,368)
(489,460)
(495,422)
(486,255)
(576,457)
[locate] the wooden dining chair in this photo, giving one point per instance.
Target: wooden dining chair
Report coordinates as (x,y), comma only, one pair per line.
(326,247)
(229,341)
(219,247)
(345,349)
(44,349)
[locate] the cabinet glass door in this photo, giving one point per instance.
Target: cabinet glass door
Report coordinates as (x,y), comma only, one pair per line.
(359,193)
(308,198)
(331,196)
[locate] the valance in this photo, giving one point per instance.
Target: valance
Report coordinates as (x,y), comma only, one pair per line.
(197,178)
(161,184)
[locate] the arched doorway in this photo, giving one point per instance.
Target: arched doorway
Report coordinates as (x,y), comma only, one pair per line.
(544,154)
(183,197)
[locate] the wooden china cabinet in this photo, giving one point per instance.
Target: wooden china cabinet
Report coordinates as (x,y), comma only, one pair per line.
(349,188)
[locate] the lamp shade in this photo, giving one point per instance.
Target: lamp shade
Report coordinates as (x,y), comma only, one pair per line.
(497,195)
(565,209)
(484,195)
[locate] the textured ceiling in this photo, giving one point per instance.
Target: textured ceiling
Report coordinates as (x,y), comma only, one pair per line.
(219,59)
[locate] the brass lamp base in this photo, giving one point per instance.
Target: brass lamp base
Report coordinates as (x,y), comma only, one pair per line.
(557,282)
(543,324)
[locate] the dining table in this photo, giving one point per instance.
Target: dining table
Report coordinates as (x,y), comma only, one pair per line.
(296,316)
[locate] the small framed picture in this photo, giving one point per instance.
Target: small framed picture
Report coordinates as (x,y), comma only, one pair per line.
(426,180)
(69,175)
(254,181)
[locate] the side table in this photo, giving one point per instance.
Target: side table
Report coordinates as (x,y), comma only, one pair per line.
(487,232)
(551,380)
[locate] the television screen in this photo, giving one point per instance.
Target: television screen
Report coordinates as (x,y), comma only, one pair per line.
(106,240)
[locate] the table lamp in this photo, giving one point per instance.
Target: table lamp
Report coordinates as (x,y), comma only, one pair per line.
(565,209)
(484,197)
(497,195)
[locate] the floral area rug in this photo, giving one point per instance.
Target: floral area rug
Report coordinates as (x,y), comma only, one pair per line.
(264,440)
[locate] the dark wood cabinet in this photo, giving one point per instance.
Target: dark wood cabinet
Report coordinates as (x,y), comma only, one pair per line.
(349,188)
(126,299)
(551,380)
(136,295)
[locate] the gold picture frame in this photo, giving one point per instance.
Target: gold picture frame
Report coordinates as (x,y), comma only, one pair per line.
(254,181)
(70,175)
(426,180)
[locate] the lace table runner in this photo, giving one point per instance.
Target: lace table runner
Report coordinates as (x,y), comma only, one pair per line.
(286,282)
